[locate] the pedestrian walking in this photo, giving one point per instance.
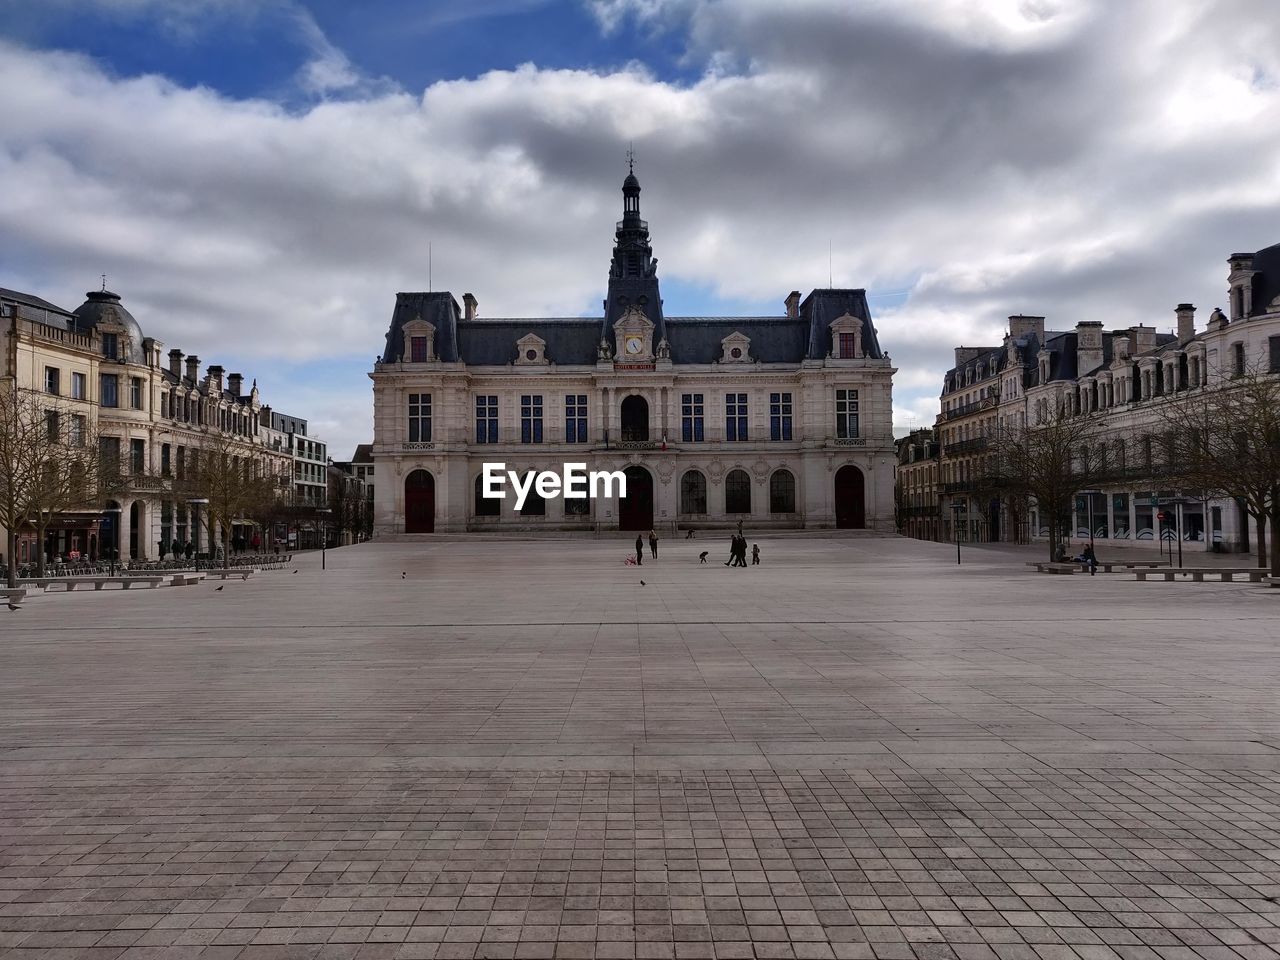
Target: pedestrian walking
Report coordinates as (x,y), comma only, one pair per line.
(755,554)
(653,544)
(639,550)
(689,535)
(733,551)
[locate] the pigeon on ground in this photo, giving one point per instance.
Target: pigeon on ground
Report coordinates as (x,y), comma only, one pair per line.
(403,574)
(14,606)
(219,588)
(295,571)
(642,583)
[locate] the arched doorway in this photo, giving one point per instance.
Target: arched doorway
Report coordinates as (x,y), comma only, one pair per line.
(134,518)
(737,492)
(419,502)
(635,510)
(635,418)
(851,507)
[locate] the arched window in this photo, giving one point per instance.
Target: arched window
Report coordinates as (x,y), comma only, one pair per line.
(534,505)
(737,492)
(693,492)
(486,506)
(782,492)
(635,418)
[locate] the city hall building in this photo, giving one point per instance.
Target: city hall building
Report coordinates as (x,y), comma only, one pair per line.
(778,422)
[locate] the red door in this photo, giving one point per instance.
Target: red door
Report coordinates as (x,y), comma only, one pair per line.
(419,502)
(851,498)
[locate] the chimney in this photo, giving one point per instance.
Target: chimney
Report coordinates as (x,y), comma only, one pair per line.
(175,362)
(215,377)
(1089,346)
(469,305)
(234,382)
(193,367)
(1186,314)
(793,304)
(1020,326)
(964,354)
(1141,339)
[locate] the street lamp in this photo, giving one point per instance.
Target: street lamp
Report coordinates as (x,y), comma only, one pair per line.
(1176,503)
(197,502)
(114,513)
(1089,495)
(324,534)
(955,526)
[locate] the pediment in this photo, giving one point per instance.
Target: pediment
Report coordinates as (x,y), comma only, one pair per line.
(531,349)
(736,348)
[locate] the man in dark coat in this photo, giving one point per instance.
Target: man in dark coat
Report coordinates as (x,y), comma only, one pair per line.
(639,549)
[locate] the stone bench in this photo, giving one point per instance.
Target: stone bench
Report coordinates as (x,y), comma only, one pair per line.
(229,574)
(13,595)
(1197,574)
(1273,581)
(185,579)
(1054,567)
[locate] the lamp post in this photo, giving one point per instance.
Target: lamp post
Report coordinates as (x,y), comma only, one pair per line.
(1089,495)
(1176,503)
(324,533)
(196,503)
(114,547)
(956,507)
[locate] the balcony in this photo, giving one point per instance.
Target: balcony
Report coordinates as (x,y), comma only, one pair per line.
(964,447)
(635,444)
(986,403)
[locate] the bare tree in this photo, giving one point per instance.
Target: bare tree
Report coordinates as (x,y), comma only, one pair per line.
(1048,463)
(1224,440)
(49,464)
(235,482)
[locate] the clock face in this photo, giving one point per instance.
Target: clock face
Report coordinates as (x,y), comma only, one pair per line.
(634,345)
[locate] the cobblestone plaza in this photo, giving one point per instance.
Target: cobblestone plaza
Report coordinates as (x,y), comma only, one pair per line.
(516,749)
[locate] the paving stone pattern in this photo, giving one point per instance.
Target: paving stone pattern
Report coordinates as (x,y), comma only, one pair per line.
(518,751)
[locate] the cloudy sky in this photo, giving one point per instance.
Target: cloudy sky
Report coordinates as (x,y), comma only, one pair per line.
(257,178)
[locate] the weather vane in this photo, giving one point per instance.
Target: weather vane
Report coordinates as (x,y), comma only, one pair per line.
(104,283)
(631,157)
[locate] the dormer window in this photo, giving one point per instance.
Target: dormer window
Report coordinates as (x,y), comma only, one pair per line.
(419,342)
(110,346)
(531,348)
(846,337)
(736,348)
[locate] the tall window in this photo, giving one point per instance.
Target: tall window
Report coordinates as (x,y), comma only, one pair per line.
(1237,359)
(782,492)
(52,425)
(419,417)
(109,454)
(166,459)
(534,505)
(691,413)
(575,421)
(77,431)
(531,418)
(417,349)
(1273,354)
(110,385)
(847,346)
(846,414)
(735,416)
(693,492)
(486,506)
(737,492)
(779,416)
(78,387)
(52,380)
(486,419)
(135,392)
(137,456)
(110,346)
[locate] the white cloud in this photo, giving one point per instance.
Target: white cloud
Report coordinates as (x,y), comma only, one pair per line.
(1083,161)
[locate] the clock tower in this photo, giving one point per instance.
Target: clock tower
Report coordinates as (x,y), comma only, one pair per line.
(633,294)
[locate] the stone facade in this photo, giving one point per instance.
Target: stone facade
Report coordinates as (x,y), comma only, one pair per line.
(778,421)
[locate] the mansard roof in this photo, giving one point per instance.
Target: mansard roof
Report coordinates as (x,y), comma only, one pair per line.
(1266,279)
(31,307)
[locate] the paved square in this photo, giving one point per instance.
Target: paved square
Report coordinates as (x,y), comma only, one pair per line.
(856,749)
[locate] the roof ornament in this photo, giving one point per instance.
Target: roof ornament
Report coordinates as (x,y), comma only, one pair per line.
(104,283)
(631,156)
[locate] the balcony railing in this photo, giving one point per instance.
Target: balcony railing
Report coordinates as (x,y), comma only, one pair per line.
(986,403)
(962,447)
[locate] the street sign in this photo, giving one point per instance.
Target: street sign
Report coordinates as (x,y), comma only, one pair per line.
(1162,515)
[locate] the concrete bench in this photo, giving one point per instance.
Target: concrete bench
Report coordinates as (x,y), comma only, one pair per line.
(127,582)
(185,579)
(1273,581)
(13,595)
(1055,567)
(229,574)
(1197,574)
